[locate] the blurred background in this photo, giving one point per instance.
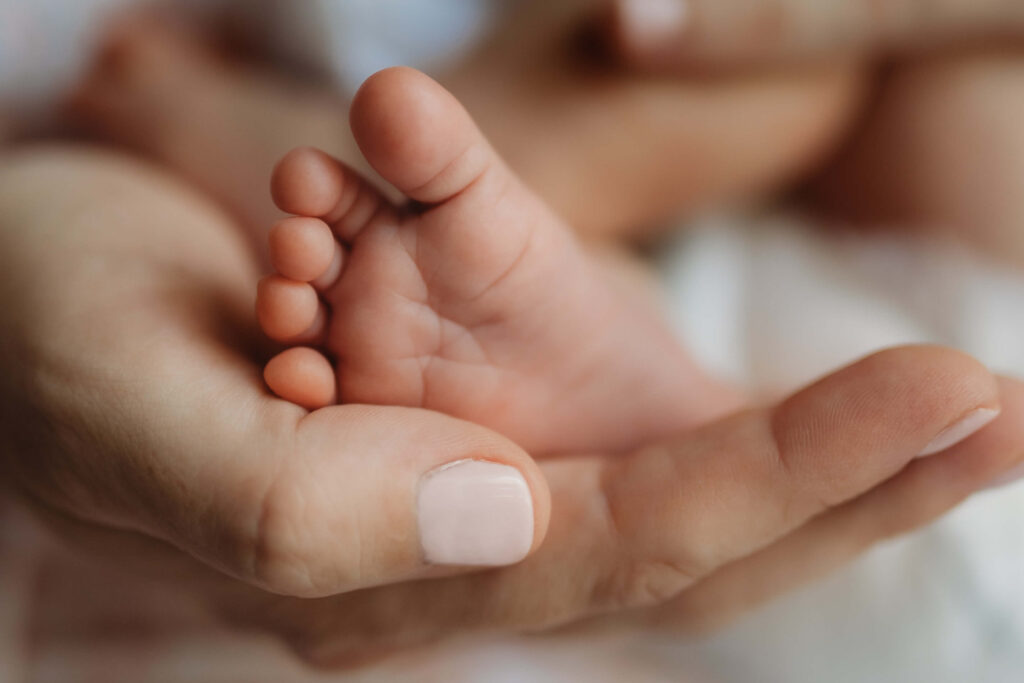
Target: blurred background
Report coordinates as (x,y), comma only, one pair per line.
(809,187)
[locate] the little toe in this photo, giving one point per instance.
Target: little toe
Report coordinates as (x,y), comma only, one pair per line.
(303,376)
(289,311)
(304,249)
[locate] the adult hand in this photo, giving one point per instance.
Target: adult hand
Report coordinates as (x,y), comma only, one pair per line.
(133,402)
(136,422)
(695,532)
(683,34)
(619,152)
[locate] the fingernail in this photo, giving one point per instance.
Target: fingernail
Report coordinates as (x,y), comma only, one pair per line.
(475,512)
(647,22)
(960,430)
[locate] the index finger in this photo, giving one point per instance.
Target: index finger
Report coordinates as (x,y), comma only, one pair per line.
(920,494)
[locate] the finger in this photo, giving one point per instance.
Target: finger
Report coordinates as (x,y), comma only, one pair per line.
(925,491)
(687,33)
(358,496)
(762,474)
(632,531)
(321,503)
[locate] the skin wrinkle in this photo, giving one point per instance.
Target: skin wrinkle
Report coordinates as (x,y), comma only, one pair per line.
(358,555)
(506,274)
(349,197)
(429,216)
(281,566)
(527,247)
(266,550)
(375,207)
(78,433)
(448,341)
(456,160)
(383,211)
(428,361)
(412,251)
(777,452)
(634,584)
(573,380)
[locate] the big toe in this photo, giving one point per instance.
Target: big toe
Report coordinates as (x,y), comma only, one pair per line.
(417,135)
(479,216)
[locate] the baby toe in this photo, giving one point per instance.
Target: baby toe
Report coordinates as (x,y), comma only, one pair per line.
(304,249)
(307,182)
(288,310)
(303,376)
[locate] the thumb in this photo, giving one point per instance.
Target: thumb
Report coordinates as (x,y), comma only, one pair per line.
(360,496)
(303,504)
(686,33)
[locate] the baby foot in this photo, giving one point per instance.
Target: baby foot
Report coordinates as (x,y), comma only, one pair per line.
(474,300)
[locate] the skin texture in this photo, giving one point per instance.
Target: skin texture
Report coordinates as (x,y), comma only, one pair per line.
(479,304)
(148,439)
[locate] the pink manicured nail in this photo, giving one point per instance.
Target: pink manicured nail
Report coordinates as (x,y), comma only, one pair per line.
(960,430)
(475,512)
(647,22)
